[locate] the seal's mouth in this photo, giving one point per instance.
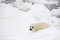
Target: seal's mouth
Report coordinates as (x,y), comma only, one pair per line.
(31,28)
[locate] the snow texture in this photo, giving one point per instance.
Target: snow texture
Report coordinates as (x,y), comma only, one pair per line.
(14,24)
(25,5)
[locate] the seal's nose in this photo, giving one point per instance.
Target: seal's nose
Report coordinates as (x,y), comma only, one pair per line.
(30,29)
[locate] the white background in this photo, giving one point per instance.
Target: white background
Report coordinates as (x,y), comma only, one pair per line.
(14,25)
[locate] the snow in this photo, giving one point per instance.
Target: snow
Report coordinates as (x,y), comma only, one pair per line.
(56,11)
(40,10)
(14,24)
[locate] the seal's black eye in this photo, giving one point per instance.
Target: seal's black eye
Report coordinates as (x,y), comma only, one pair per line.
(32,27)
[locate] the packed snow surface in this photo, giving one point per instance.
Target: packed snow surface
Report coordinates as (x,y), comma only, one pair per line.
(14,24)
